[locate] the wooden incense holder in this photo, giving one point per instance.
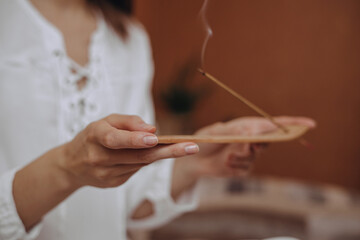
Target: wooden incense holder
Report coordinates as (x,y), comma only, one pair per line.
(294,132)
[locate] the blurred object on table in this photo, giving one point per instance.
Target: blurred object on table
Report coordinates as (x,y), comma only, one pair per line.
(260,208)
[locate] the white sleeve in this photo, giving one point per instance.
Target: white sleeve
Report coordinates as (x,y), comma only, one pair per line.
(154,184)
(11,226)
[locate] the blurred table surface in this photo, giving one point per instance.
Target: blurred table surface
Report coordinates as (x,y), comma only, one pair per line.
(257,208)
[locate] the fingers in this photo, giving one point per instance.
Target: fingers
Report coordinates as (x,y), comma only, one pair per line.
(260,126)
(214,129)
(130,156)
(129,122)
(251,126)
(240,150)
(114,167)
(240,159)
(239,166)
(247,126)
(240,162)
(257,125)
(285,120)
(114,138)
(241,155)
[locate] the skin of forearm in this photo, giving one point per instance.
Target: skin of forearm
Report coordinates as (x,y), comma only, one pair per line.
(40,186)
(183,178)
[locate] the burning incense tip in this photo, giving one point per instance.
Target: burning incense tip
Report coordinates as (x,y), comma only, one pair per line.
(201,71)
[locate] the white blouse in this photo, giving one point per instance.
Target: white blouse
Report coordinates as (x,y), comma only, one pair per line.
(41,107)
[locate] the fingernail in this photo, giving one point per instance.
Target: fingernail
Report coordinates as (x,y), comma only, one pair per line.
(150,140)
(192,149)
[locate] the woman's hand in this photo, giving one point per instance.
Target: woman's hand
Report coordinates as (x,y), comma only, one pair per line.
(111,150)
(234,159)
(104,154)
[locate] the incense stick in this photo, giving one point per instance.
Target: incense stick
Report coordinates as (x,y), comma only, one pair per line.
(243,99)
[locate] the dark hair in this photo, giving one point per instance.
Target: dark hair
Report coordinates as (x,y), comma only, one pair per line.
(117,13)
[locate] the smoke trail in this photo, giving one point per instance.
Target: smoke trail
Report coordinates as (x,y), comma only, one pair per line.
(208,30)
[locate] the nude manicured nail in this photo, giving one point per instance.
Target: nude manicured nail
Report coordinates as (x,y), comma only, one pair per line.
(150,140)
(192,149)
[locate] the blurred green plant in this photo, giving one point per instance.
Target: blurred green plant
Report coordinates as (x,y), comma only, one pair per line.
(181,97)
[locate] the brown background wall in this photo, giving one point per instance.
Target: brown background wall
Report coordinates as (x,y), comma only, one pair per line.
(290,57)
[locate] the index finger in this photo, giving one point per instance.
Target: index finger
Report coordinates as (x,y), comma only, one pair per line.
(113,138)
(129,122)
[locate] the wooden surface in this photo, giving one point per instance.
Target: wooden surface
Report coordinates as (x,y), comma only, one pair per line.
(293,132)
